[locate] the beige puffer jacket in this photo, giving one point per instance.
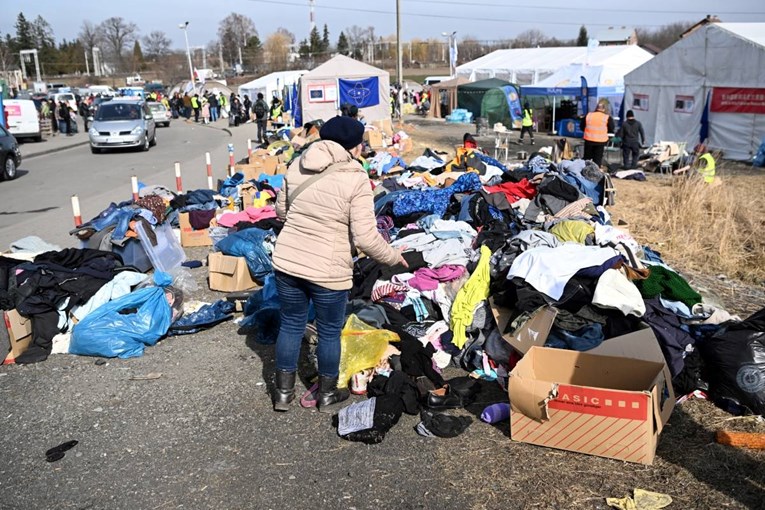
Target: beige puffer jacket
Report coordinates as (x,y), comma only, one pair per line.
(315,243)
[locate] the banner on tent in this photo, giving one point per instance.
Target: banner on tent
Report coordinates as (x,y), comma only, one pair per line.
(362,93)
(738,100)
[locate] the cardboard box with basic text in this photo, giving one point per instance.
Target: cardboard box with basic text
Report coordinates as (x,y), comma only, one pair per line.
(612,401)
(229,274)
(18,330)
(191,237)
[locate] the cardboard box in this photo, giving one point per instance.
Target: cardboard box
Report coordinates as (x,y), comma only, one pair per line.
(405,146)
(191,237)
(532,332)
(612,401)
(229,274)
(374,139)
(281,168)
(19,332)
(263,163)
(385,126)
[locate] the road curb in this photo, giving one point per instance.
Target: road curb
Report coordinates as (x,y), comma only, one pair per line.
(51,151)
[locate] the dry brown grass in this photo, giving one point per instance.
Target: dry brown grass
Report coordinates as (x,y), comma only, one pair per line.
(716,228)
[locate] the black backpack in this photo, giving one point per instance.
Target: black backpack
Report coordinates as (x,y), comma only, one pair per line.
(259,109)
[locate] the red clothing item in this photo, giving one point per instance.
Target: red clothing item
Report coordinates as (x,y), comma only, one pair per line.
(514,191)
(469,144)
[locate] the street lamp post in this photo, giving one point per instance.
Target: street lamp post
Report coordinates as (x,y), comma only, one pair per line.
(184,27)
(452,52)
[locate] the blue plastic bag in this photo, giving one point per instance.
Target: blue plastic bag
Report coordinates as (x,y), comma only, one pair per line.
(759,158)
(249,244)
(204,318)
(145,318)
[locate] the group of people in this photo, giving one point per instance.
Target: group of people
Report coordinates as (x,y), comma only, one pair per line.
(209,107)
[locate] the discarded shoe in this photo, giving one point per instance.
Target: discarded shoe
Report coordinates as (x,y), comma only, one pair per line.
(58,452)
(443,399)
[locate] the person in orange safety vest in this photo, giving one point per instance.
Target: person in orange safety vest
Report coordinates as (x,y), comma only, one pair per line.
(596,126)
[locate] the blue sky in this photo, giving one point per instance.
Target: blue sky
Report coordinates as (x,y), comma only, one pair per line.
(484,19)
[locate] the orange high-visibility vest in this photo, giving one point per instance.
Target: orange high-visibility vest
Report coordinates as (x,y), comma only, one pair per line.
(596,127)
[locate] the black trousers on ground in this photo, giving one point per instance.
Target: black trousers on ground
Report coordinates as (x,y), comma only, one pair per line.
(529,130)
(594,151)
(630,155)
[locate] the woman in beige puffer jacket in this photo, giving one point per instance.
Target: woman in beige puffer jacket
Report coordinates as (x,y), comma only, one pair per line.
(314,252)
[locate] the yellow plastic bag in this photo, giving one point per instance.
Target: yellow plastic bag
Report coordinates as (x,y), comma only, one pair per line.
(361,347)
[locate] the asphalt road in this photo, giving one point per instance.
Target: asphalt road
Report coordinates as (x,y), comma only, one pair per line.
(38,201)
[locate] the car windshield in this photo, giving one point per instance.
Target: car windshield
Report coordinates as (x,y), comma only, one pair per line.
(157,107)
(118,111)
(66,97)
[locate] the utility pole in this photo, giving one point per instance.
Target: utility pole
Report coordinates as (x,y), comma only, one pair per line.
(220,58)
(185,28)
(399,58)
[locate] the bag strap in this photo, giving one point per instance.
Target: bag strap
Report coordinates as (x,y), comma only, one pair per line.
(291,197)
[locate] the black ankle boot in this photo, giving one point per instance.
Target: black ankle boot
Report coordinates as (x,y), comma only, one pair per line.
(329,394)
(284,391)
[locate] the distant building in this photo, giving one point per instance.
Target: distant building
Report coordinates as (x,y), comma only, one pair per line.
(615,36)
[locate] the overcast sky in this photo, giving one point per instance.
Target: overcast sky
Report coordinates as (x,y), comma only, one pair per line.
(483,19)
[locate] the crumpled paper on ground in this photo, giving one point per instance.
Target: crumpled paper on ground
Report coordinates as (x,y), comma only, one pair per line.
(643,500)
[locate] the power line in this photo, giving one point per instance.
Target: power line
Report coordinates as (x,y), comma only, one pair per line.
(441,16)
(557,8)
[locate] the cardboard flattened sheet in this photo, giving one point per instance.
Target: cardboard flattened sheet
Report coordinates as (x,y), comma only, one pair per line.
(19,331)
(533,332)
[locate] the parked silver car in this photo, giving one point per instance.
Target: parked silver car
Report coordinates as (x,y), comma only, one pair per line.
(161,114)
(122,123)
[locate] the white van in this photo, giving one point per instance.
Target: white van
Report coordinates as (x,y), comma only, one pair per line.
(23,119)
(104,90)
(432,80)
(67,97)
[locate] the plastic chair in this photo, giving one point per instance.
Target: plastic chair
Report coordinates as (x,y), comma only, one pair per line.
(501,145)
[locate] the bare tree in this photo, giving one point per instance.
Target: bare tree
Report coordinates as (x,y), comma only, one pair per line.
(89,36)
(357,38)
(156,44)
(118,34)
(530,39)
(277,50)
(233,32)
(290,36)
(664,36)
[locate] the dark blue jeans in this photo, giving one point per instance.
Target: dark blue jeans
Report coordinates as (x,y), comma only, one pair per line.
(294,297)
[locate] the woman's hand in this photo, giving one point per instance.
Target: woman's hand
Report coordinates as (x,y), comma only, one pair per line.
(401,259)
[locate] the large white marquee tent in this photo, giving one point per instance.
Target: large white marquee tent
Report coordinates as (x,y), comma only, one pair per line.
(709,85)
(526,66)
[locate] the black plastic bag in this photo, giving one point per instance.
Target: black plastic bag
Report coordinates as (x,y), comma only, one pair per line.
(735,362)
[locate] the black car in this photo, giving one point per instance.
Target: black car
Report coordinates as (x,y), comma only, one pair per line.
(10,156)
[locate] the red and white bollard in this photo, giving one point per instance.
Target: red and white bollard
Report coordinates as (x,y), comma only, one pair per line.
(134,186)
(249,148)
(76,211)
(231,161)
(178,182)
(208,162)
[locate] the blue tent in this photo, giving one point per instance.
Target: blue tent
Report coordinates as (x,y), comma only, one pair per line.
(601,83)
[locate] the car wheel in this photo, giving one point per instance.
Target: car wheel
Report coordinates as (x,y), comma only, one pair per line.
(95,150)
(154,139)
(9,168)
(146,144)
(167,124)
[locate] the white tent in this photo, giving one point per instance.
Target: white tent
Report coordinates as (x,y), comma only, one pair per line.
(524,66)
(270,85)
(713,79)
(321,90)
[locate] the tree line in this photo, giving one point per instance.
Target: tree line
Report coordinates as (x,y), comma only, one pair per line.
(124,50)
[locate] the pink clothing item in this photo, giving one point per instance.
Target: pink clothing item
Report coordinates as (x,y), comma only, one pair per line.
(251,214)
(428,279)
